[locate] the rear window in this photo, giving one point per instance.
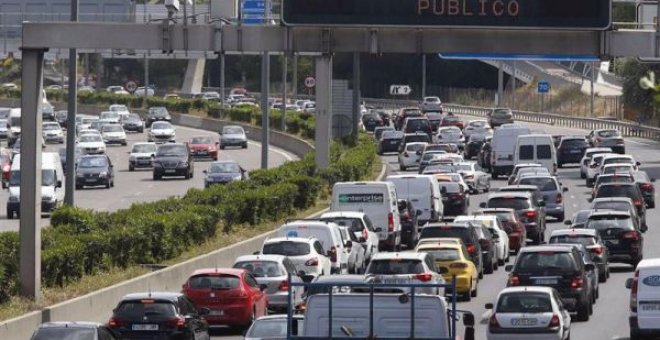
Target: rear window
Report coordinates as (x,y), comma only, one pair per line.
(414,147)
(138,309)
(609,133)
(609,222)
(214,282)
(287,248)
(395,267)
(354,224)
(451,119)
(543,183)
(543,152)
(574,143)
(616,191)
(417,138)
(444,254)
(618,206)
(261,268)
(453,232)
(524,303)
(623,160)
(577,239)
(65,334)
(620,178)
(449,187)
(415,125)
(515,203)
(526,152)
(540,261)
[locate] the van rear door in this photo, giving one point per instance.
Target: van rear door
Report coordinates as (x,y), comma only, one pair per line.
(648,298)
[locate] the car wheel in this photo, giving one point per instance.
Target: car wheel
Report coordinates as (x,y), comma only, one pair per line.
(475,292)
(501,262)
(560,165)
(78,187)
(481,274)
(10,214)
(608,272)
(591,307)
(494,174)
(402,168)
(187,176)
(652,205)
(156,177)
(560,217)
(602,277)
(490,268)
(583,175)
(131,168)
(467,296)
(112,184)
(583,312)
(107,184)
(245,146)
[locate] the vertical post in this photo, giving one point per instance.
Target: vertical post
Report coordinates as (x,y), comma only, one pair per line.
(99,71)
(513,90)
(30,202)
(285,61)
(146,80)
(500,83)
(295,76)
(323,110)
(423,76)
(265,81)
(194,12)
(71,117)
(355,115)
(593,78)
(222,78)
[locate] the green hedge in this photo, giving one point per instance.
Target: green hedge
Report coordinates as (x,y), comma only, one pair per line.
(82,242)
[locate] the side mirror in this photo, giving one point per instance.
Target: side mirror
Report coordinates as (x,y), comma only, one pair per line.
(378,230)
(418,212)
(568,222)
(263,287)
(590,267)
(489,306)
(362,239)
(204,311)
(638,163)
(629,283)
(468,319)
(204,171)
(542,204)
(564,189)
(59,184)
(508,268)
(482,205)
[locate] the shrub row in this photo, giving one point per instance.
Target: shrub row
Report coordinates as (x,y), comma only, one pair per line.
(82,242)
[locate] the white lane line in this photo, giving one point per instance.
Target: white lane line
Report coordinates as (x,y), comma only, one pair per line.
(640,143)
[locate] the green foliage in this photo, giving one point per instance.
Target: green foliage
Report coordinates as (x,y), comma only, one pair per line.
(633,95)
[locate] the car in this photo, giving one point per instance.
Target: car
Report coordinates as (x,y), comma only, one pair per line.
(113,134)
(52,132)
(533,189)
(500,116)
(409,223)
(586,159)
(619,204)
(133,122)
(483,158)
(117,89)
(141,91)
(78,330)
(645,184)
(159,314)
(551,190)
(630,190)
(594,168)
(611,178)
(559,267)
(428,157)
(84,124)
(307,255)
(274,271)
(417,124)
(97,125)
(406,268)
(477,127)
(141,155)
(4,130)
(384,116)
(417,137)
(455,199)
(274,327)
(5,164)
(223,172)
(404,113)
(173,160)
(486,240)
(590,239)
(95,170)
(477,180)
(593,273)
(203,147)
(371,120)
(499,236)
(91,144)
(579,219)
(643,317)
(121,109)
(510,223)
(110,117)
(571,150)
(616,168)
(357,261)
(378,132)
(460,230)
(528,209)
(619,159)
(453,261)
(233,135)
(435,118)
(161,132)
(474,144)
(520,167)
(607,138)
(360,224)
(621,234)
(452,135)
(157,113)
(432,103)
(451,120)
(528,313)
(389,142)
(410,155)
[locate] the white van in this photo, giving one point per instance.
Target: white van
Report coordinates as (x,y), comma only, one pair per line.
(52,176)
(327,233)
(538,149)
(424,193)
(503,147)
(376,199)
(13,125)
(644,288)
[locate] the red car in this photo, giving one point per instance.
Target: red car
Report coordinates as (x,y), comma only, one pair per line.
(203,147)
(5,163)
(233,296)
(451,120)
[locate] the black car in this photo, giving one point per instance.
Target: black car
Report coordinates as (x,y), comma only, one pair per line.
(434,118)
(463,231)
(559,267)
(61,117)
(384,116)
(417,125)
(157,113)
(389,142)
(223,172)
(473,146)
(409,224)
(133,122)
(630,190)
(571,150)
(159,315)
(529,210)
(173,160)
(621,235)
(94,170)
(454,199)
(378,132)
(593,273)
(594,245)
(74,330)
(62,153)
(483,158)
(371,120)
(646,186)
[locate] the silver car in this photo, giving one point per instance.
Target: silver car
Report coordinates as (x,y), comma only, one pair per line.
(552,192)
(233,135)
(274,327)
(477,180)
(479,127)
(406,268)
(611,138)
(410,155)
(452,135)
(273,271)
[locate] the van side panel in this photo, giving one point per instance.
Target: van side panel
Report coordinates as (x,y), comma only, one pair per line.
(419,190)
(504,144)
(376,200)
(648,298)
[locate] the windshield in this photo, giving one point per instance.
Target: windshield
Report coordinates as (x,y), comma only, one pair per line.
(543,261)
(225,168)
(201,140)
(622,160)
(414,147)
(395,267)
(87,121)
(132,117)
(543,183)
(449,187)
(137,310)
(112,128)
(144,148)
(448,231)
(355,224)
(47,178)
(515,203)
(618,206)
(415,125)
(616,191)
(619,178)
(90,138)
(214,281)
(92,162)
(477,124)
(573,238)
(582,216)
(286,248)
(417,138)
(609,222)
(502,112)
(609,133)
(117,108)
(109,115)
(524,303)
(158,111)
(65,333)
(578,143)
(161,126)
(444,254)
(261,268)
(268,329)
(172,150)
(232,130)
(463,167)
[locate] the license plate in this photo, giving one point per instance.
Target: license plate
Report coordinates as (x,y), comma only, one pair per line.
(524,322)
(90,180)
(145,327)
(393,142)
(217,313)
(576,151)
(545,281)
(612,242)
(170,171)
(650,306)
(144,162)
(201,152)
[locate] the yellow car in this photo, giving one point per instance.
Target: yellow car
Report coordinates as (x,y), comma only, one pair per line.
(454,259)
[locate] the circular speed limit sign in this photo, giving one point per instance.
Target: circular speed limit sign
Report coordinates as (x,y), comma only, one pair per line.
(310,82)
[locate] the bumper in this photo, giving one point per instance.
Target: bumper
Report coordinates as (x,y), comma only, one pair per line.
(231,315)
(140,164)
(56,139)
(524,334)
(162,139)
(205,154)
(554,210)
(570,158)
(634,328)
(114,141)
(170,171)
(462,283)
(279,301)
(46,206)
(233,142)
(93,181)
(572,300)
(133,128)
(503,169)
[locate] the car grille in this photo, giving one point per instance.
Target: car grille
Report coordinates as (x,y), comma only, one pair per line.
(170,164)
(144,159)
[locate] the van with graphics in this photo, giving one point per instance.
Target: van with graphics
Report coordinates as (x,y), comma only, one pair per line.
(644,288)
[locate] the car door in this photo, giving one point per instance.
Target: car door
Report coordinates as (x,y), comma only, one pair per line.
(104,333)
(258,295)
(296,290)
(565,315)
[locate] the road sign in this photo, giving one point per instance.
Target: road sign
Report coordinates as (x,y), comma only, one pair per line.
(502,14)
(400,90)
(310,82)
(131,86)
(253,12)
(543,87)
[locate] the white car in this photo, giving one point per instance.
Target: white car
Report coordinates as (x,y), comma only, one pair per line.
(451,135)
(474,177)
(307,254)
(91,144)
(140,92)
(616,168)
(619,159)
(85,123)
(356,257)
(431,104)
(52,132)
(161,132)
(122,110)
(500,236)
(453,177)
(586,159)
(141,155)
(113,134)
(89,132)
(110,117)
(479,126)
(528,313)
(360,225)
(594,168)
(406,268)
(411,154)
(117,89)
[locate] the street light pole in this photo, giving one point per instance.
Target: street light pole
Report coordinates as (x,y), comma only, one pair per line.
(69,189)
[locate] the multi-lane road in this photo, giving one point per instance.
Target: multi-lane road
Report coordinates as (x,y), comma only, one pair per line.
(138,186)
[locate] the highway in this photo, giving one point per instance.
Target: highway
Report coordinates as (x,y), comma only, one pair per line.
(138,186)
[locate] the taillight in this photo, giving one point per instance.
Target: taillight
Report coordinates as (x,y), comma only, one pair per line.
(577,282)
(284,286)
(593,165)
(178,322)
(638,201)
(115,323)
(554,322)
(333,254)
(633,292)
(471,248)
(530,214)
(312,262)
(631,235)
(514,280)
(390,222)
(646,187)
(598,250)
(559,198)
(424,277)
(492,323)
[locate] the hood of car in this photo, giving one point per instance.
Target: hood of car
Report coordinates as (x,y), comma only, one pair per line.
(91,170)
(91,144)
(233,136)
(162,131)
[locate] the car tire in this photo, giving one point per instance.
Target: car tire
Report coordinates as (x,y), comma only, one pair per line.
(494,174)
(560,165)
(490,268)
(156,177)
(475,292)
(107,184)
(112,184)
(131,168)
(583,175)
(187,175)
(481,274)
(10,214)
(402,168)
(583,312)
(602,277)
(560,217)
(245,146)
(501,262)
(467,296)
(651,205)
(78,186)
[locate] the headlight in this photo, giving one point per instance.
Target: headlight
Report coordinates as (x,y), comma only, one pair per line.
(156,163)
(183,164)
(103,174)
(13,199)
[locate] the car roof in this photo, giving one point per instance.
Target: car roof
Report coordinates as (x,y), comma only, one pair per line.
(617,155)
(290,239)
(598,213)
(522,289)
(617,184)
(260,257)
(649,263)
(71,324)
(171,296)
(513,194)
(396,255)
(574,231)
(349,214)
(550,247)
(612,199)
(230,271)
